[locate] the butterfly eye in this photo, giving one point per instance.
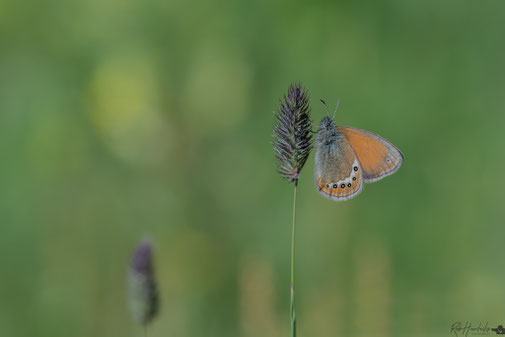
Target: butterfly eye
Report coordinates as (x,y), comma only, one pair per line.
(355,168)
(343,185)
(335,186)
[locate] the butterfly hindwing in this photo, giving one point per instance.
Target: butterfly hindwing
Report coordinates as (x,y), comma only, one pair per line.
(377,156)
(343,189)
(338,175)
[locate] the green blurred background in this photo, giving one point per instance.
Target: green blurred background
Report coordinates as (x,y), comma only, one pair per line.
(125,118)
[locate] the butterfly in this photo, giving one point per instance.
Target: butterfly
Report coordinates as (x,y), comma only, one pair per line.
(347,157)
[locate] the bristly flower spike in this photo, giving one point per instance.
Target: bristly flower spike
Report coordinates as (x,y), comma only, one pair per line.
(143,293)
(292,138)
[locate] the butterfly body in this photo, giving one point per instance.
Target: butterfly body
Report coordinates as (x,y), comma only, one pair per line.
(346,158)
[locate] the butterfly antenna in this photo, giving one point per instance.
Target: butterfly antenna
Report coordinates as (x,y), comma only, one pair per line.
(326,107)
(336,108)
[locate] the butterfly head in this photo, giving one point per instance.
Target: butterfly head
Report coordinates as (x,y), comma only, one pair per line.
(327,123)
(327,133)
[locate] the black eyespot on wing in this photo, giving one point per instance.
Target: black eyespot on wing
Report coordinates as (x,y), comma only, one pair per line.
(327,185)
(335,186)
(349,185)
(343,185)
(355,168)
(354,178)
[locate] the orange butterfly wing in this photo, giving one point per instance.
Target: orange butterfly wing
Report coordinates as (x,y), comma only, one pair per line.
(377,156)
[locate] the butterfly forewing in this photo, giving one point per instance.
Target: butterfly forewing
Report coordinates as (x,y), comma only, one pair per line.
(377,156)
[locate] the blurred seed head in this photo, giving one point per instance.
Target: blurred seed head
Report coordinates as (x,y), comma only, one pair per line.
(292,138)
(143,294)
